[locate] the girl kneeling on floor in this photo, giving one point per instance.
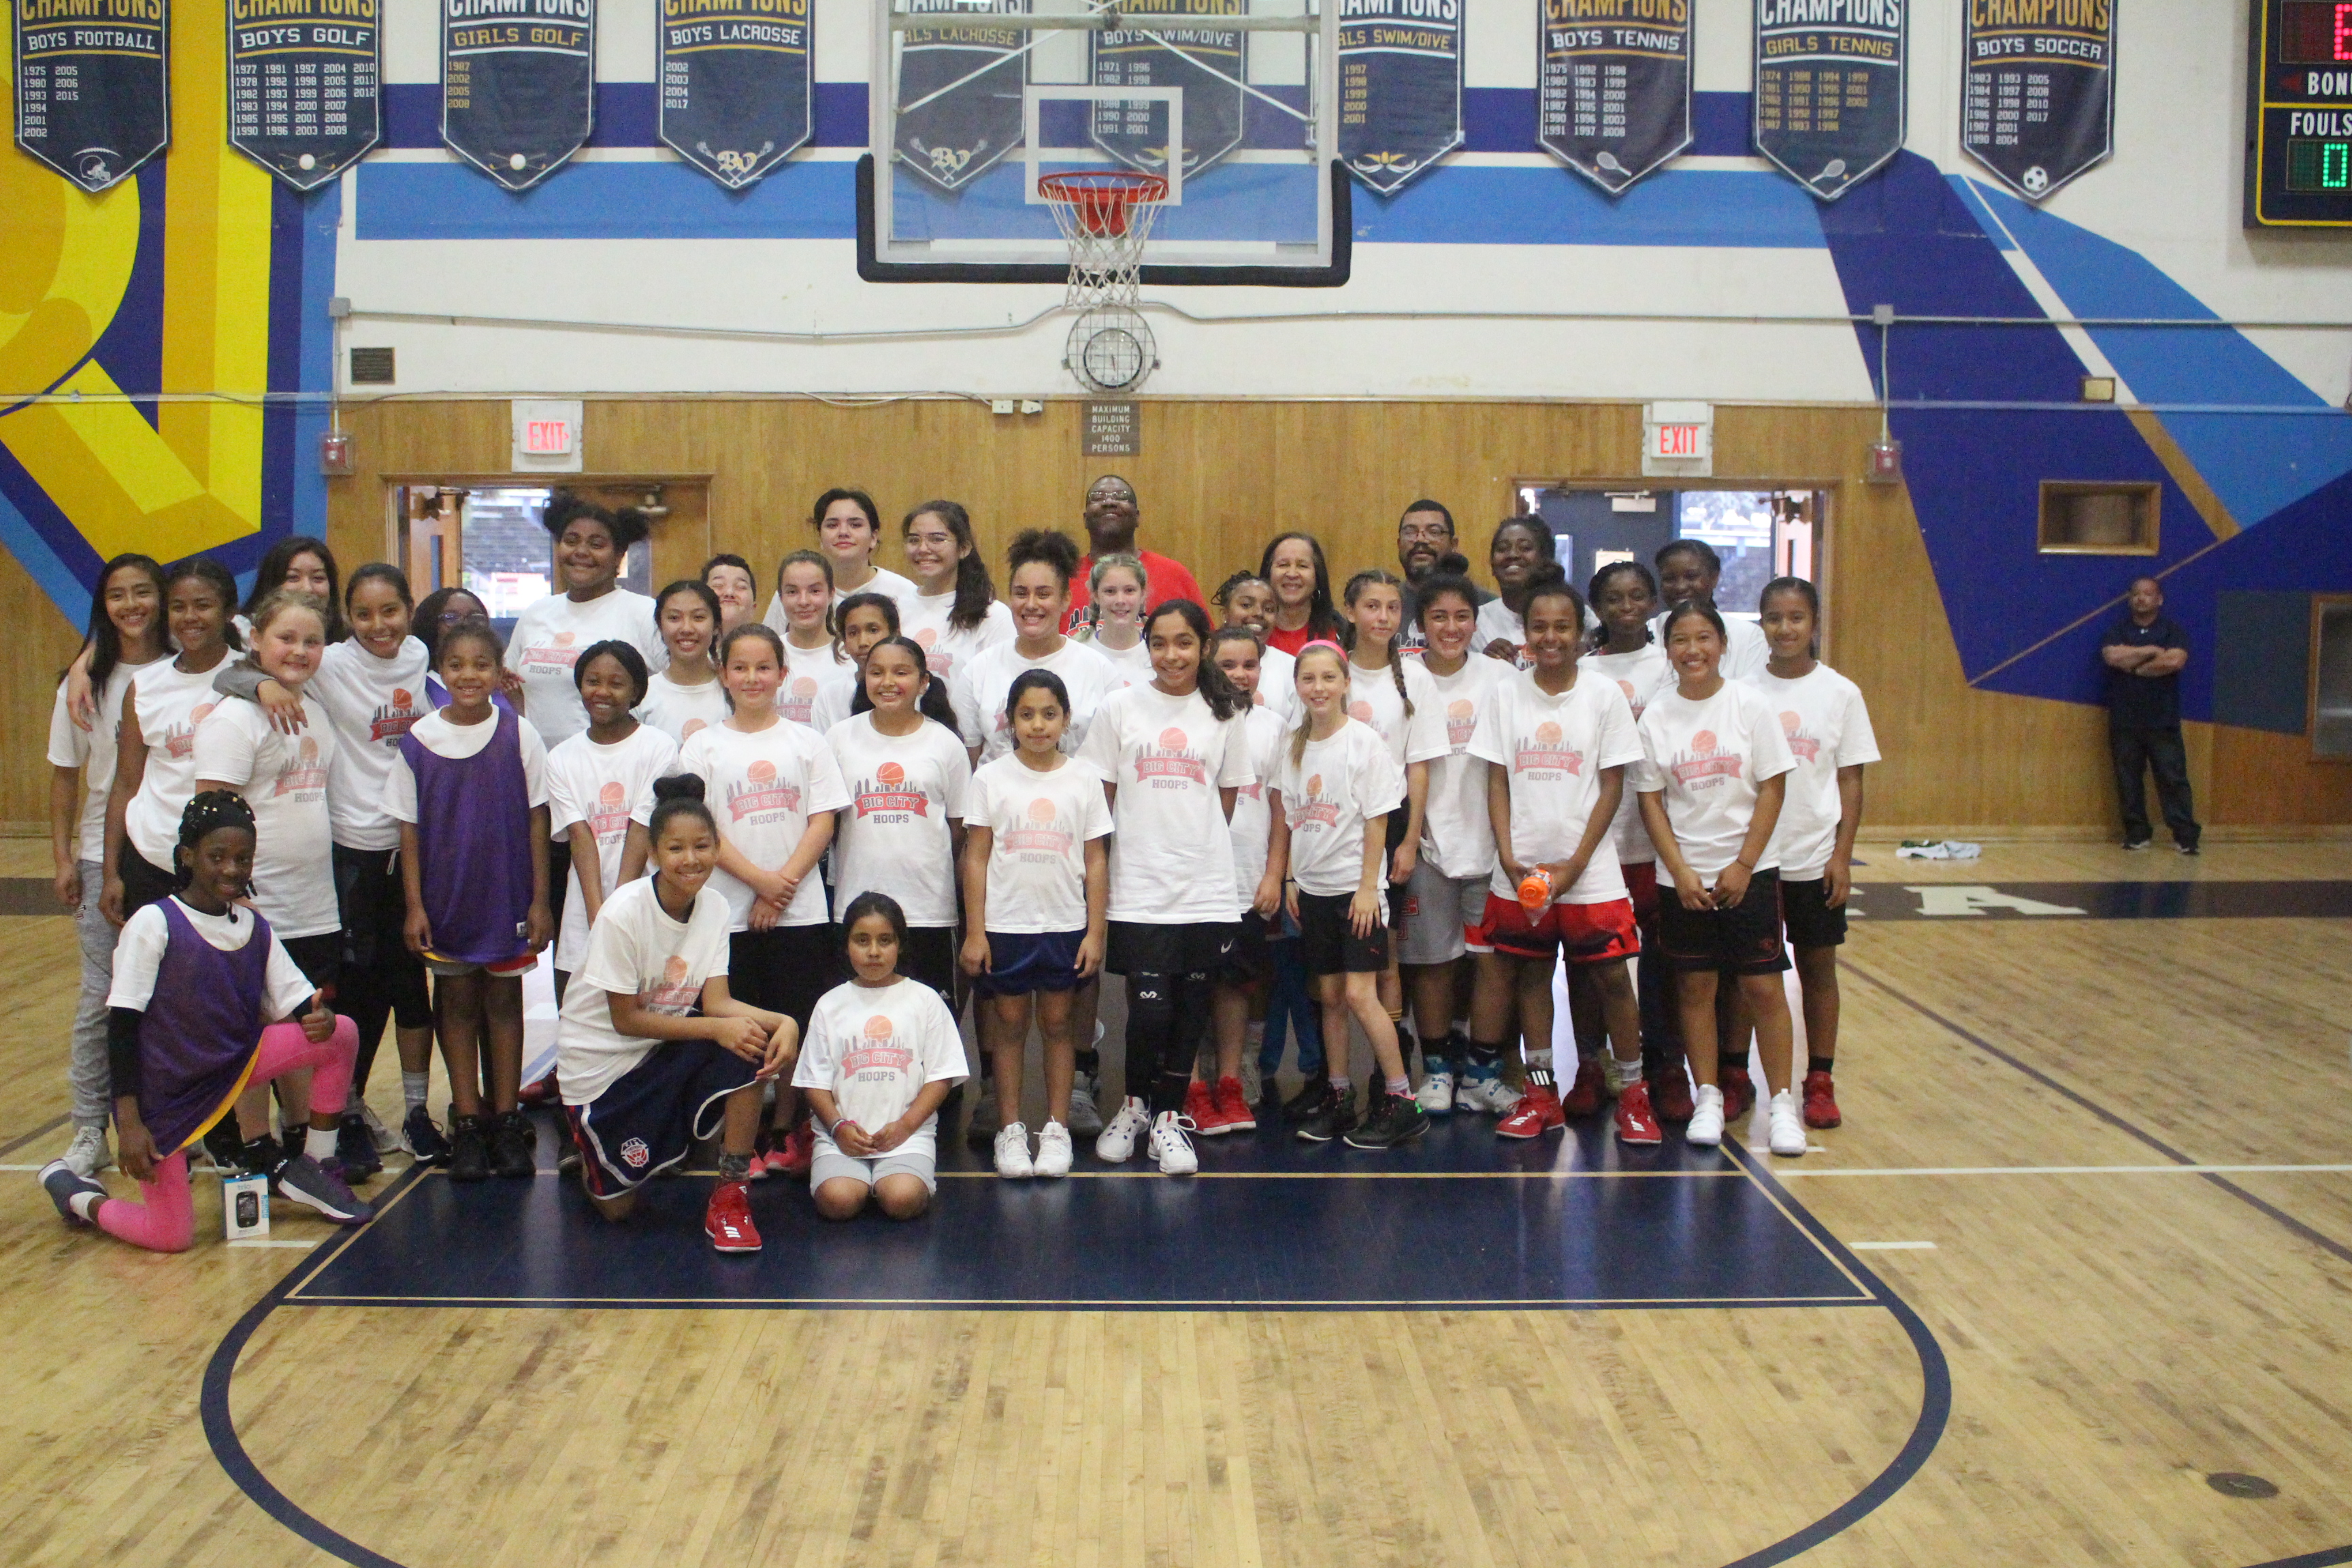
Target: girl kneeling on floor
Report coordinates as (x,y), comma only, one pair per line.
(196,980)
(882,1054)
(651,1051)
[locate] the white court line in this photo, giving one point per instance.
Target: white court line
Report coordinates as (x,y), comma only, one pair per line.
(266,1241)
(1890,1246)
(1783,1172)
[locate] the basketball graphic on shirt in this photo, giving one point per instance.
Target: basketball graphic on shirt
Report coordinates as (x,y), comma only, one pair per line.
(1313,785)
(804,687)
(1790,724)
(762,772)
(1547,733)
(563,640)
(1362,710)
(1461,720)
(889,774)
(690,727)
(200,712)
(1174,740)
(309,749)
(401,696)
(877,1028)
(927,638)
(1627,687)
(1040,813)
(612,794)
(1703,742)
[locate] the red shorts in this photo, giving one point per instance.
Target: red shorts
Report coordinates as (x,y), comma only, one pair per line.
(1641,885)
(1583,933)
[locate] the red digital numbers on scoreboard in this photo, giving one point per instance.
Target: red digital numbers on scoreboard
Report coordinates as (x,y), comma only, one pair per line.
(2316,32)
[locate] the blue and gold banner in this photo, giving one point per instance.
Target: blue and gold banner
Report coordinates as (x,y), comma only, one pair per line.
(518,84)
(960,93)
(1206,62)
(1615,93)
(2037,101)
(1400,87)
(92,96)
(303,75)
(1829,79)
(736,84)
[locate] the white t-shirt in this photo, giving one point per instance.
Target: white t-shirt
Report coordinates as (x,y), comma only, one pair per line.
(924,618)
(678,711)
(1745,651)
(1133,664)
(1827,726)
(552,634)
(884,581)
(1640,675)
(763,786)
(1039,825)
(874,1048)
(1708,758)
(93,752)
(894,838)
(139,959)
(1277,682)
(167,703)
(284,779)
(814,677)
(1372,700)
(1268,735)
(1497,620)
(1172,860)
(636,950)
(606,787)
(442,738)
(1457,837)
(1329,795)
(370,703)
(1552,750)
(980,688)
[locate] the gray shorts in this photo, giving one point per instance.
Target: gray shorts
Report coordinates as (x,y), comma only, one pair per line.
(1443,915)
(917,1157)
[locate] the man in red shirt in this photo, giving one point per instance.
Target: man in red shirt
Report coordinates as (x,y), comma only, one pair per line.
(1111,516)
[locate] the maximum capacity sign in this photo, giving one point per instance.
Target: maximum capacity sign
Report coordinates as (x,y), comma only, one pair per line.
(302,85)
(2039,103)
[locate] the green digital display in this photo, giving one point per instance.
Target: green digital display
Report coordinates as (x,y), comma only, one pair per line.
(2316,165)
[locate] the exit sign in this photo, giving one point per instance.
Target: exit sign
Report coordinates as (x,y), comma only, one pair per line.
(1678,439)
(547,436)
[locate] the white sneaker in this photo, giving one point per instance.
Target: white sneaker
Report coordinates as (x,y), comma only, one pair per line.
(1788,1125)
(1085,1119)
(1169,1145)
(1053,1151)
(1117,1143)
(1436,1094)
(1491,1095)
(1705,1129)
(87,1154)
(387,1142)
(1012,1162)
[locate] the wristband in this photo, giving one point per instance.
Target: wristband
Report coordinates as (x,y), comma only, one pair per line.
(1745,866)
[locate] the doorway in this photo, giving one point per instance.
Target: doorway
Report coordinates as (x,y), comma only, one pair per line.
(1760,534)
(487,536)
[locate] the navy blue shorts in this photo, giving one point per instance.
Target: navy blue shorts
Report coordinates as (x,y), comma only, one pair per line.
(1030,961)
(649,1118)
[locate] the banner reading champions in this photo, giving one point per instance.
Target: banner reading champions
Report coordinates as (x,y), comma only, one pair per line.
(1829,88)
(1614,100)
(2039,104)
(1206,62)
(302,85)
(518,88)
(735,84)
(1400,87)
(92,94)
(958,93)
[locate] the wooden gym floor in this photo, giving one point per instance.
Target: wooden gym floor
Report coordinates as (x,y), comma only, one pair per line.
(2085,1243)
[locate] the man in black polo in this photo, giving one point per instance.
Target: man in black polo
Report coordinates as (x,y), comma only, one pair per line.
(1424,539)
(2144,652)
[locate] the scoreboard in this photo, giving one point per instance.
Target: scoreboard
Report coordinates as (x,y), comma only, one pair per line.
(2299,114)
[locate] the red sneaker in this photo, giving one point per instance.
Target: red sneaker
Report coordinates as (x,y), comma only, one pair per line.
(1537,1113)
(1738,1092)
(546,1091)
(798,1153)
(1635,1122)
(1820,1100)
(1233,1106)
(1670,1095)
(1201,1105)
(728,1221)
(1583,1096)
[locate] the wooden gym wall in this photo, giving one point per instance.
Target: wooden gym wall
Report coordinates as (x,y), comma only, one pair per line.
(1216,478)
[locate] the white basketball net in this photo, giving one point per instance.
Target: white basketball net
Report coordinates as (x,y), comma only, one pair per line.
(1105,218)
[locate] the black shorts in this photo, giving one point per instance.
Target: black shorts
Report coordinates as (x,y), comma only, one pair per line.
(319,957)
(1026,962)
(1247,961)
(1807,916)
(1327,939)
(929,955)
(374,907)
(143,882)
(648,1119)
(1200,947)
(1400,893)
(786,969)
(1744,939)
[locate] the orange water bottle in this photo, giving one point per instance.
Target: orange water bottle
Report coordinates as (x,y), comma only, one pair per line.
(1535,889)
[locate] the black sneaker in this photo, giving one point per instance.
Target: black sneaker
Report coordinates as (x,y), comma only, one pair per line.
(355,1148)
(1311,1098)
(261,1157)
(470,1147)
(567,1152)
(424,1141)
(2138,843)
(1394,1118)
(1331,1120)
(2188,850)
(511,1141)
(224,1146)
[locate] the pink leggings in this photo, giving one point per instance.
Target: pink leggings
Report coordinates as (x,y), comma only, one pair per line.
(166,1220)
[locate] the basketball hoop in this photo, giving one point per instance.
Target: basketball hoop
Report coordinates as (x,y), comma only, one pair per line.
(1105,215)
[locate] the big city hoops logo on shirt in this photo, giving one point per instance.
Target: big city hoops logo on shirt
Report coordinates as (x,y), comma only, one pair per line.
(761,793)
(1705,764)
(1632,697)
(1546,751)
(1171,757)
(1805,746)
(935,659)
(798,700)
(610,818)
(180,740)
(1461,721)
(555,653)
(1315,811)
(876,1051)
(395,717)
(888,790)
(1040,833)
(305,775)
(671,993)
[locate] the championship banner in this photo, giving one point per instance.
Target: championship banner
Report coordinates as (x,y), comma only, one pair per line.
(735,84)
(960,93)
(92,94)
(1829,88)
(2038,105)
(302,85)
(1615,94)
(1400,87)
(1207,64)
(518,88)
